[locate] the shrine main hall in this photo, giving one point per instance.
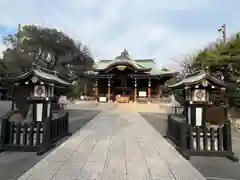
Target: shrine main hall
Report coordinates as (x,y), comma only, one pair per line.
(125,80)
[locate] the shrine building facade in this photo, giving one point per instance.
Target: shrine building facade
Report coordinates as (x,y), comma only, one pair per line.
(124,79)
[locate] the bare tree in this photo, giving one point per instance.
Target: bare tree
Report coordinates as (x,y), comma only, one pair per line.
(186,65)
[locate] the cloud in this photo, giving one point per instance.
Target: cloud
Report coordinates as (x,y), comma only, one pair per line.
(164,30)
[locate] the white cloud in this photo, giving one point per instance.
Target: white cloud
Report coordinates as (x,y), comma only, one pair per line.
(108,26)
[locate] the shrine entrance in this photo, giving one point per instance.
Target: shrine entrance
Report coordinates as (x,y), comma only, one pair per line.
(122,88)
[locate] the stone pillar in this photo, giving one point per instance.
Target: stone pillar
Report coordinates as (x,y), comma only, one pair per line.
(96,91)
(109,89)
(135,91)
(149,91)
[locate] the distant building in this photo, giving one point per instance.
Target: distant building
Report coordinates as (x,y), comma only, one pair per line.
(125,79)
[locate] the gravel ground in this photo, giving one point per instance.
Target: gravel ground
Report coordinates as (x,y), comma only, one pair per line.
(213,168)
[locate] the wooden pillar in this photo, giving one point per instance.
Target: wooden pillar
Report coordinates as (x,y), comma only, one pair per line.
(149,91)
(135,91)
(96,91)
(109,89)
(160,91)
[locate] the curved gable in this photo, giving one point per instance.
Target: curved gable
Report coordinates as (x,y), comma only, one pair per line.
(126,63)
(197,77)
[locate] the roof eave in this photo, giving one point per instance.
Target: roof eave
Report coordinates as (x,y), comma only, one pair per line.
(175,88)
(182,85)
(123,63)
(136,68)
(32,73)
(218,82)
(18,78)
(165,74)
(54,82)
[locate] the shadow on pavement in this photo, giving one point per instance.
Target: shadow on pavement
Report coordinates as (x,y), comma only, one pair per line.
(78,118)
(212,168)
(157,120)
(14,164)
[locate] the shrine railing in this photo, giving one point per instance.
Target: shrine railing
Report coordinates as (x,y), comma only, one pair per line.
(35,136)
(177,110)
(200,140)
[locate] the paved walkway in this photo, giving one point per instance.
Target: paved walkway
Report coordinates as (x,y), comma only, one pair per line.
(114,146)
(127,107)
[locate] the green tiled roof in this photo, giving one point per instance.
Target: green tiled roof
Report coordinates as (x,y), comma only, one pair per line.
(145,65)
(50,77)
(154,72)
(43,75)
(197,77)
(161,72)
(148,63)
(124,58)
(103,64)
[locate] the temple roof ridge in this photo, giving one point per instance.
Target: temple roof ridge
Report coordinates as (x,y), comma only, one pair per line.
(147,65)
(124,55)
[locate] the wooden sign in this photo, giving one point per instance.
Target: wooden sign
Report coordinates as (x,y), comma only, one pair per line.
(102,99)
(142,94)
(216,115)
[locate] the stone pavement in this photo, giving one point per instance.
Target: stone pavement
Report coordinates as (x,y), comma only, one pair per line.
(137,107)
(120,107)
(114,146)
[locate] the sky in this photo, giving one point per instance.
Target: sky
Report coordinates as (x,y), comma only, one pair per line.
(165,30)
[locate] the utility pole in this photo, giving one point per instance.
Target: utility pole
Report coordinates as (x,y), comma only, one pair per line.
(18,38)
(223,32)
